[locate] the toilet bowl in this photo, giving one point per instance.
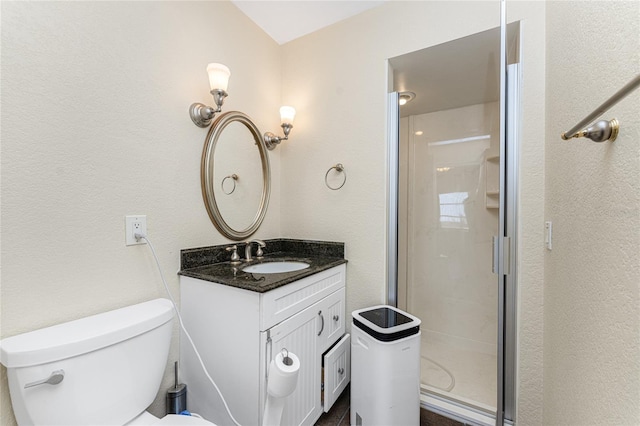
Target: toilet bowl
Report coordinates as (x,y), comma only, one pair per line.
(105,369)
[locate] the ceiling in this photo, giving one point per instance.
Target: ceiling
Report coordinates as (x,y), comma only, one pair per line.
(450,75)
(287,20)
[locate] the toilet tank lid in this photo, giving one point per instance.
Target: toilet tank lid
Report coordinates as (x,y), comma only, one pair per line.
(84,335)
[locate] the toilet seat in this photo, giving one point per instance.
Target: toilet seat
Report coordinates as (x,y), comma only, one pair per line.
(178,420)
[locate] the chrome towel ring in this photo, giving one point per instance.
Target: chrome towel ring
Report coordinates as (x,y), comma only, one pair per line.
(339,169)
(234,178)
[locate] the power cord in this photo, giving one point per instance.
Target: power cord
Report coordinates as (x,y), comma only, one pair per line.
(140,236)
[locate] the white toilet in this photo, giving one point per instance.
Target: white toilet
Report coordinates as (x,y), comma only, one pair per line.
(101,370)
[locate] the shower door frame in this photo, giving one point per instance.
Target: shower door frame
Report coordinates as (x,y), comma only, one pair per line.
(505,250)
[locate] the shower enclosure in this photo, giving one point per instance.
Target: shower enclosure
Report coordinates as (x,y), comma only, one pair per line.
(453,222)
(451,215)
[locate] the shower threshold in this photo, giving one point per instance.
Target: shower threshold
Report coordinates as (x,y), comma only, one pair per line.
(458,408)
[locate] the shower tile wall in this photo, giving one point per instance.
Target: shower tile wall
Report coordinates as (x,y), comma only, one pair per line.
(449,230)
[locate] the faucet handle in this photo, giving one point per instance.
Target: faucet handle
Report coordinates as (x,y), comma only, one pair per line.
(235,258)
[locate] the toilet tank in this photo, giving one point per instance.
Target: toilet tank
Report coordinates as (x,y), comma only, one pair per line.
(113,364)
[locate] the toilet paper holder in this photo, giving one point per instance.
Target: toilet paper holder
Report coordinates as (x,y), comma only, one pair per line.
(286,360)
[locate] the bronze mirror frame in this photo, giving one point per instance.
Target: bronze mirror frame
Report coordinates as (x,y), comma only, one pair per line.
(207,175)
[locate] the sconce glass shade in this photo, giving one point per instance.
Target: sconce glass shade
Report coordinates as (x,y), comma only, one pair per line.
(218,76)
(287,114)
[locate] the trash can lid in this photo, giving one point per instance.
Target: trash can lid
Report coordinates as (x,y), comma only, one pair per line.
(386,322)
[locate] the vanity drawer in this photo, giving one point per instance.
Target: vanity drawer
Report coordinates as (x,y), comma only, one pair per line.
(336,373)
(282,302)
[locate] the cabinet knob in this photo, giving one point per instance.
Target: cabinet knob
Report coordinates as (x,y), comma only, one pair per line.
(336,318)
(341,371)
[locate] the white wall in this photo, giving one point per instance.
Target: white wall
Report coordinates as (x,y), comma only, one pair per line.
(95,126)
(337,77)
(592,275)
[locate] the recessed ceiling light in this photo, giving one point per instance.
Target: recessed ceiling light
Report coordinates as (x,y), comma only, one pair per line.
(405,97)
(419,133)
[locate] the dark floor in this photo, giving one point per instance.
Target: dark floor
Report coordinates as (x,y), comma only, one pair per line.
(339,415)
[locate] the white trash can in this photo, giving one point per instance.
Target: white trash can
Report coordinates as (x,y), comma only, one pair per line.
(385,367)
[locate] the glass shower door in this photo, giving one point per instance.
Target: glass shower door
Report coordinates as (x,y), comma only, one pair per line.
(451,214)
(448,217)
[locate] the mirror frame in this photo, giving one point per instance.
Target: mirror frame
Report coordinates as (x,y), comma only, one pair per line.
(207,169)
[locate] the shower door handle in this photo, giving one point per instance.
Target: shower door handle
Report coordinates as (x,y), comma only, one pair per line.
(495,256)
(506,253)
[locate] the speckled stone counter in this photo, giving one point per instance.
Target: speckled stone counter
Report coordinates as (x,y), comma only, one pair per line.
(212,263)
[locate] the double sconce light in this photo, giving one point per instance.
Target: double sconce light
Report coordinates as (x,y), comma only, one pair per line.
(202,115)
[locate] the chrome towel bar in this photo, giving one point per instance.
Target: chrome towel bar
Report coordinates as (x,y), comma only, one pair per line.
(603,130)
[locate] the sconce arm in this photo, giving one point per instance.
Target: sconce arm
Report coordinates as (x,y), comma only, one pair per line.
(202,114)
(272,140)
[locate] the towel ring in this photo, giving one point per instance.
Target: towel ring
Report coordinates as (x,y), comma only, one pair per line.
(339,168)
(234,177)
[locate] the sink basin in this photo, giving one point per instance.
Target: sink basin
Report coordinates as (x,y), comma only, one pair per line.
(275,267)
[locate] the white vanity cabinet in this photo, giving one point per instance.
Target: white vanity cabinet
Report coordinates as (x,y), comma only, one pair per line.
(238,332)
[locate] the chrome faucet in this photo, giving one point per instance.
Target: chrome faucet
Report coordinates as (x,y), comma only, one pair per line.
(247,250)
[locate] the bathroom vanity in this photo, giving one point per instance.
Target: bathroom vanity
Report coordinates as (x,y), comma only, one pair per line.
(239,321)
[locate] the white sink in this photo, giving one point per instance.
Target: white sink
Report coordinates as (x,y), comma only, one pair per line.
(275,267)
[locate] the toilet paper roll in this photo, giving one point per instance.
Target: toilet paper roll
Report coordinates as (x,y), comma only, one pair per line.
(283,376)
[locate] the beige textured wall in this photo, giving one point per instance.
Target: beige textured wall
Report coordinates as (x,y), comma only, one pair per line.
(95,126)
(337,79)
(592,275)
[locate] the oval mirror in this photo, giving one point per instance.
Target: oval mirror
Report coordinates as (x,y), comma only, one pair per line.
(235,175)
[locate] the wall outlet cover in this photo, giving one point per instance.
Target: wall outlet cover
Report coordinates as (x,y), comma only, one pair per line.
(133,224)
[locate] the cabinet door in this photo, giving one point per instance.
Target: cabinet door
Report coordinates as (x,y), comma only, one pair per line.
(299,334)
(331,315)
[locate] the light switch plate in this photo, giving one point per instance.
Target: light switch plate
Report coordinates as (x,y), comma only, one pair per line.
(548,235)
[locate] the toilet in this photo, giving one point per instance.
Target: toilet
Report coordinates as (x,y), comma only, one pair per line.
(105,369)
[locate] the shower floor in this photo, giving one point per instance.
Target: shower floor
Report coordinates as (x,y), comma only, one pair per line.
(459,369)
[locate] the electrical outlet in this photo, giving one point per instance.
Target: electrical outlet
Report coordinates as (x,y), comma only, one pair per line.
(135,224)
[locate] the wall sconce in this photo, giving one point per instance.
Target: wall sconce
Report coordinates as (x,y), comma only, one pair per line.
(287,114)
(202,114)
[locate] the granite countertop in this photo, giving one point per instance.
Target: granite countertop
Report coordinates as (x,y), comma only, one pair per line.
(212,263)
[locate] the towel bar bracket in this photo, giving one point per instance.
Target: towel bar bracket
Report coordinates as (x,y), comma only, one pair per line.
(600,131)
(603,130)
